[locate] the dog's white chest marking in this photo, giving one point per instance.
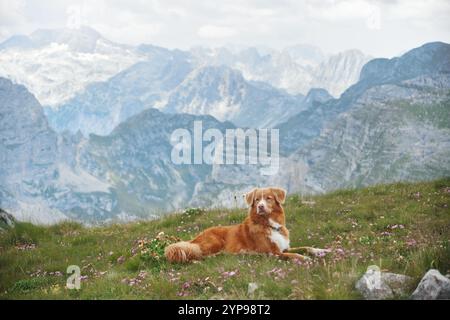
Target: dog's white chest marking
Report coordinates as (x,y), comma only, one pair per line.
(281,241)
(276,237)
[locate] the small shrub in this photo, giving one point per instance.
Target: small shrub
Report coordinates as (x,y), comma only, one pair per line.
(150,252)
(192,212)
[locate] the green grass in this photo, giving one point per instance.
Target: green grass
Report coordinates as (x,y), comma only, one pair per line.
(401,227)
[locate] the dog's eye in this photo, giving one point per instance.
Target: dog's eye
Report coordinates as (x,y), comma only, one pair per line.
(257,199)
(269,198)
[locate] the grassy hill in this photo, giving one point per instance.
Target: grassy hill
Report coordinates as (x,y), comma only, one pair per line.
(403,228)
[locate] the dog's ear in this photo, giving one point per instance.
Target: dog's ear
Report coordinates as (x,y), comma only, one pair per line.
(280,194)
(249,196)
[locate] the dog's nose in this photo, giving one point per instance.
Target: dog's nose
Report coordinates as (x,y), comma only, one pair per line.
(260,206)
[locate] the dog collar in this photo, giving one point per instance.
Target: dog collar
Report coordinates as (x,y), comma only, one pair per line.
(275,228)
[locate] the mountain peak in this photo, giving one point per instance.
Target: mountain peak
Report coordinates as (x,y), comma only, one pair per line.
(18,41)
(355,52)
(317,95)
(429,53)
(216,73)
(433,57)
(83,39)
(305,53)
(82,30)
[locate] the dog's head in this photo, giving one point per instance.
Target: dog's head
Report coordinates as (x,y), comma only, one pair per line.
(265,201)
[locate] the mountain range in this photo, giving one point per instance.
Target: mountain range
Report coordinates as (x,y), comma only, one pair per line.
(104,152)
(88,83)
(295,69)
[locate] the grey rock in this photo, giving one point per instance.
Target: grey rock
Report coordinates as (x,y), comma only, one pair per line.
(399,283)
(377,285)
(432,286)
(371,286)
(6,219)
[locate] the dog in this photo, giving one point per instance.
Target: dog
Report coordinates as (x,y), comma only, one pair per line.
(263,231)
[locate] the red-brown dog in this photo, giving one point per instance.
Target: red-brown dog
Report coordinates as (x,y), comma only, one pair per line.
(263,231)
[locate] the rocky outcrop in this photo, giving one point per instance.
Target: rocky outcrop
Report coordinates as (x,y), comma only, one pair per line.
(135,159)
(39,183)
(6,220)
(28,147)
(432,286)
(223,93)
(393,132)
(340,71)
(377,285)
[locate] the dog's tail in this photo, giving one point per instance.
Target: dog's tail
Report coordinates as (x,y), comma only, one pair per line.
(183,251)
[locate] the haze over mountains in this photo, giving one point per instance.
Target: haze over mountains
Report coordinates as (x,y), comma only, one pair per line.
(87,136)
(76,73)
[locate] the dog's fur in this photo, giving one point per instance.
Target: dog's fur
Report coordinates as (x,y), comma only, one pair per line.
(263,231)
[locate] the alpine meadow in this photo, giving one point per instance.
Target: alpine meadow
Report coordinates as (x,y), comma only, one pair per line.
(134,135)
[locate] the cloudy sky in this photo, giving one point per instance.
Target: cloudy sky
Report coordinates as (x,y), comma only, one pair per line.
(380,28)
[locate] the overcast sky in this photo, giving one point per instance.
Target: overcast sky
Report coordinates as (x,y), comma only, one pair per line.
(380,28)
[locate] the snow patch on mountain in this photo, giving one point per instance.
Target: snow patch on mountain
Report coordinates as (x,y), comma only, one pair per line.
(56,64)
(78,180)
